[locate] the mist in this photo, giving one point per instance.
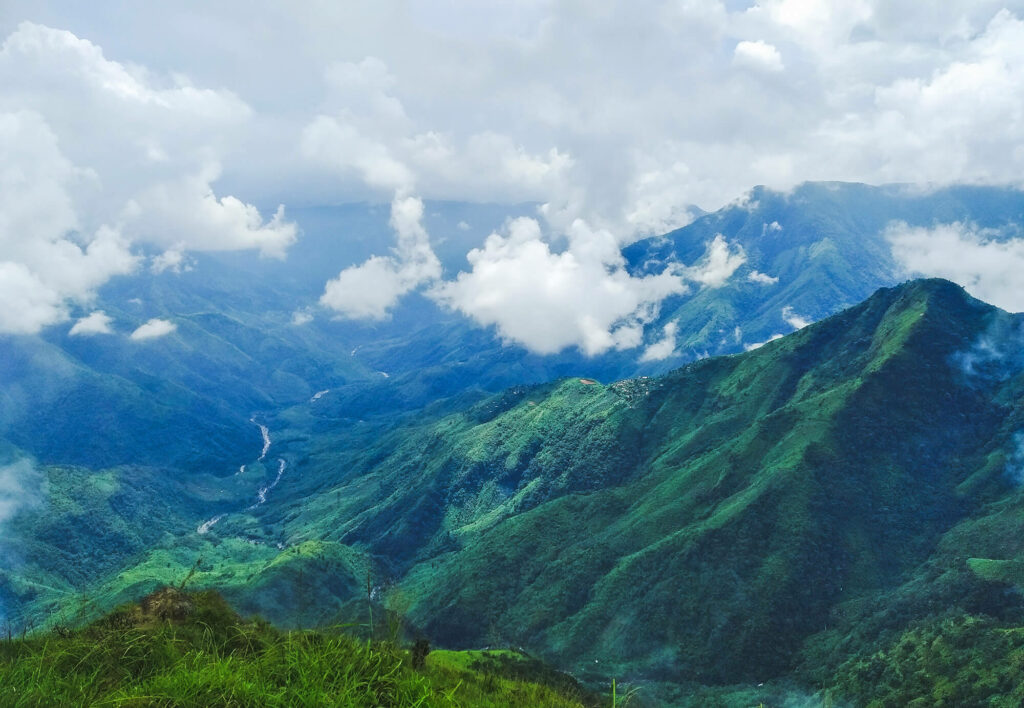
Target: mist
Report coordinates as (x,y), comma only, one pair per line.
(22,486)
(997,353)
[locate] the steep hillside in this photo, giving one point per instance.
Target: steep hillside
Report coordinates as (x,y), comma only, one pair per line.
(762,516)
(702,525)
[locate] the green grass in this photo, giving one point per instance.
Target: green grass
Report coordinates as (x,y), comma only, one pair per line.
(148,655)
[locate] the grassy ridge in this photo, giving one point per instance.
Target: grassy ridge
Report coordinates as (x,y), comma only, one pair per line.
(177,649)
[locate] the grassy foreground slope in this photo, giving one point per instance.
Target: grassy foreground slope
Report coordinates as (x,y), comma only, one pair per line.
(178,649)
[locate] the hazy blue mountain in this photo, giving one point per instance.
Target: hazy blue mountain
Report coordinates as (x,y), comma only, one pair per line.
(823,241)
(236,351)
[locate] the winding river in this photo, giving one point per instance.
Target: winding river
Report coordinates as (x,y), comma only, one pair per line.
(261,494)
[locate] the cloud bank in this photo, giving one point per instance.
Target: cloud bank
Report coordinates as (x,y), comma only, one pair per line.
(988,267)
(123,125)
(96,156)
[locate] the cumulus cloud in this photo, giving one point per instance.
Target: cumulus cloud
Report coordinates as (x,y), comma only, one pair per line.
(97,322)
(664,347)
(153,329)
(367,134)
(172,260)
(794,320)
(988,267)
(718,264)
(46,256)
(185,214)
(176,146)
(396,93)
(758,55)
(582,296)
(342,146)
(370,290)
(548,301)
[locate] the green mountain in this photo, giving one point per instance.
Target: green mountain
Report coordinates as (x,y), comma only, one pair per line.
(799,515)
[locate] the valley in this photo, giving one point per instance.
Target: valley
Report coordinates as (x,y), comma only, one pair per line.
(757,523)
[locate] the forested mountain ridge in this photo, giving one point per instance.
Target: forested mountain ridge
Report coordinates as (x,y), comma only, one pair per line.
(762,516)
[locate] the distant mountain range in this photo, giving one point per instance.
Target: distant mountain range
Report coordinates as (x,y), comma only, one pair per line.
(236,350)
(786,515)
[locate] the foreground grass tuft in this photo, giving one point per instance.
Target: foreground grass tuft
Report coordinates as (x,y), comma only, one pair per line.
(191,649)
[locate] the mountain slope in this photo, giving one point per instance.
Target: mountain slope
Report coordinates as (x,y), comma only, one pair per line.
(826,244)
(744,517)
(705,526)
(765,489)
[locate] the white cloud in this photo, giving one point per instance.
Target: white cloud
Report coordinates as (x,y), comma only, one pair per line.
(758,55)
(396,94)
(762,278)
(41,266)
(152,329)
(794,320)
(342,146)
(185,214)
(369,135)
(371,289)
(582,296)
(28,303)
(173,260)
(718,264)
(301,317)
(172,143)
(548,301)
(757,345)
(97,322)
(990,269)
(664,347)
(95,156)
